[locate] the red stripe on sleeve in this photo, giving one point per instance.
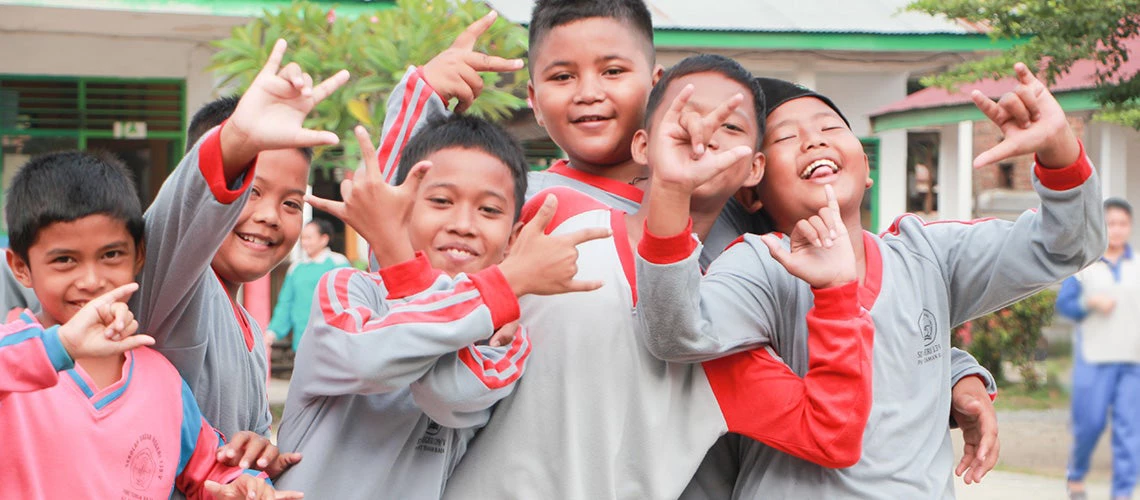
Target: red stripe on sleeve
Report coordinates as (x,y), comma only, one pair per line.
(389,150)
(486,369)
(666,249)
(210,164)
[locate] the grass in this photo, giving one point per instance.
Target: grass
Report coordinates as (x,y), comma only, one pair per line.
(1050,395)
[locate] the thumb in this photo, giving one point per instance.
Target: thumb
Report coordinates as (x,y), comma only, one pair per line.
(332,207)
(776,248)
(416,176)
(1001,151)
(136,341)
(213,488)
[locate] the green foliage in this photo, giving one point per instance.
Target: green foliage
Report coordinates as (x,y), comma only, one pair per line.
(1057,33)
(376,50)
(1010,334)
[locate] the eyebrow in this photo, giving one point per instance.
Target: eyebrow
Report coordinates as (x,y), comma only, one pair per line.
(64,251)
(453,186)
(821,114)
(604,58)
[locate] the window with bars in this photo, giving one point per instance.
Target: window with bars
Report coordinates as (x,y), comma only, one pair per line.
(90,104)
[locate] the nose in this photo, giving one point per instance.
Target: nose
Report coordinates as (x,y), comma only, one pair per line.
(589,90)
(462,222)
(265,212)
(813,139)
(91,280)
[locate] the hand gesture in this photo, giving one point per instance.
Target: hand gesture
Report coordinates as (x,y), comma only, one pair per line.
(454,73)
(678,149)
(246,487)
(271,113)
(104,326)
(971,407)
(375,209)
(505,335)
(542,264)
(250,450)
(821,252)
(1031,121)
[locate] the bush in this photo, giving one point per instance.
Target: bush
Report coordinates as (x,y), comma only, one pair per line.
(1010,334)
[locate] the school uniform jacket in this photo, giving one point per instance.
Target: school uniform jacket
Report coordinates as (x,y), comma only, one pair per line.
(389,383)
(597,416)
(921,280)
(213,341)
(1112,337)
(140,437)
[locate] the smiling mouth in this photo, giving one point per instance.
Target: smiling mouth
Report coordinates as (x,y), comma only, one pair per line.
(256,240)
(819,168)
(589,119)
(459,253)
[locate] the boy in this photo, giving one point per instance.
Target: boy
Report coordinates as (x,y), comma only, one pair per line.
(390,383)
(639,427)
(1104,299)
(122,422)
(917,280)
(218,222)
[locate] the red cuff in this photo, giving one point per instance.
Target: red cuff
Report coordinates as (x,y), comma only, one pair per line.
(497,294)
(210,164)
(1062,179)
(667,250)
(837,302)
(420,74)
(993,395)
(408,278)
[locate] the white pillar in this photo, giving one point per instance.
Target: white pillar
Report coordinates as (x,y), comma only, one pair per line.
(963,173)
(1112,160)
(892,176)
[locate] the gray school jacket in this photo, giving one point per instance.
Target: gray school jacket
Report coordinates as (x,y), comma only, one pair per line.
(389,385)
(921,281)
(182,303)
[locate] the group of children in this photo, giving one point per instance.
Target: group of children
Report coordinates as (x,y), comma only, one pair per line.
(572,333)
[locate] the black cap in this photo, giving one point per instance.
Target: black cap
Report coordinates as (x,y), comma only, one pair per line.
(1118,203)
(777,92)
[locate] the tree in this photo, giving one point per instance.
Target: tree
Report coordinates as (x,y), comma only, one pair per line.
(376,50)
(1056,33)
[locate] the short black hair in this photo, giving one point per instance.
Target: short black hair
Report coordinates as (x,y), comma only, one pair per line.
(213,114)
(324,227)
(461,131)
(711,63)
(550,14)
(67,186)
(1119,204)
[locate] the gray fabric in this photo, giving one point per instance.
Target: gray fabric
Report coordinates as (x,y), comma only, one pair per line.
(15,294)
(182,303)
(366,404)
(934,277)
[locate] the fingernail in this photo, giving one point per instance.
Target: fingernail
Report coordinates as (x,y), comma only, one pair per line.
(262,463)
(700,149)
(243,464)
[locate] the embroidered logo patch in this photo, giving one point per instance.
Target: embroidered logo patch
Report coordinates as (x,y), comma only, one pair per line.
(430,442)
(928,329)
(144,462)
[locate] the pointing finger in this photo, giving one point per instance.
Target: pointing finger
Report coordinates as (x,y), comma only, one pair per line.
(466,39)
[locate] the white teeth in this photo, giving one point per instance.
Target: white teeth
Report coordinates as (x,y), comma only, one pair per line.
(459,252)
(253,239)
(823,162)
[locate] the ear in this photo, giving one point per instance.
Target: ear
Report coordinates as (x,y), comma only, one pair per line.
(658,71)
(870,182)
(531,100)
(514,235)
(757,172)
(639,148)
(749,198)
(20,268)
(140,257)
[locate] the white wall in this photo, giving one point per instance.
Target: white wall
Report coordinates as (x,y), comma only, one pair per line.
(859,94)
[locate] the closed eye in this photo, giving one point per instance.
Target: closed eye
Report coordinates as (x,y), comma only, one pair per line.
(732,127)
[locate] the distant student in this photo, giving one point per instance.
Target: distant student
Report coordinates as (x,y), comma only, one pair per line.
(291,313)
(82,415)
(394,375)
(1104,299)
(917,280)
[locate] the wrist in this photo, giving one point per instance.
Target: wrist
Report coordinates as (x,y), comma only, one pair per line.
(234,142)
(668,209)
(1060,153)
(514,277)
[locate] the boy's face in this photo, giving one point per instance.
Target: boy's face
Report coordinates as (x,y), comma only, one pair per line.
(589,83)
(808,145)
(711,89)
(271,220)
(463,215)
(71,263)
(1119,227)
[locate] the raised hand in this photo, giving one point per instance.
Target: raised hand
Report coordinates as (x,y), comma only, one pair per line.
(542,264)
(454,73)
(375,209)
(103,327)
(1031,121)
(974,412)
(246,487)
(271,113)
(677,144)
(821,252)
